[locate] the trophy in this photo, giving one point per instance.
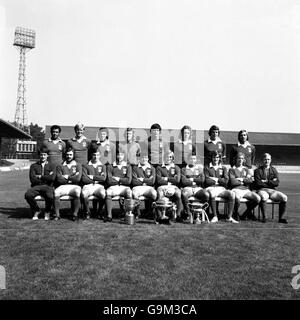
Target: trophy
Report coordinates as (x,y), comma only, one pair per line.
(129,205)
(161,206)
(198,208)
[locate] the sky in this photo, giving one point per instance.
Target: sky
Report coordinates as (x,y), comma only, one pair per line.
(233,63)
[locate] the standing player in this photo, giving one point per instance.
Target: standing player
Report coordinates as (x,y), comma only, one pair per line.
(131,148)
(168,181)
(80,144)
(240,180)
(119,176)
(192,181)
(184,147)
(106,148)
(42,176)
(55,146)
(245,147)
(216,180)
(143,181)
(213,144)
(266,180)
(156,147)
(93,180)
(68,176)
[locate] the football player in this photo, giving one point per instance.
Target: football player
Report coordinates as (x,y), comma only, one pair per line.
(68,176)
(168,181)
(93,180)
(131,148)
(266,181)
(119,176)
(216,180)
(213,144)
(56,147)
(192,181)
(42,175)
(240,181)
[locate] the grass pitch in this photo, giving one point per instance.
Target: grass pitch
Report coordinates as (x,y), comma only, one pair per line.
(96,260)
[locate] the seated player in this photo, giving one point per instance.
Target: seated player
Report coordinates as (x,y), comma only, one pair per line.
(192,181)
(143,181)
(68,176)
(216,179)
(245,147)
(131,148)
(266,181)
(119,176)
(93,180)
(240,181)
(56,147)
(80,144)
(41,175)
(168,181)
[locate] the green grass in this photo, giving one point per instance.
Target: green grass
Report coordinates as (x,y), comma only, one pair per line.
(94,260)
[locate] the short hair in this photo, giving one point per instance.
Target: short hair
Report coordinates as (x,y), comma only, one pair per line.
(212,128)
(265,155)
(104,129)
(240,154)
(182,131)
(155,126)
(94,149)
(214,154)
(69,149)
(170,153)
(54,127)
(79,125)
(43,149)
(128,130)
(243,131)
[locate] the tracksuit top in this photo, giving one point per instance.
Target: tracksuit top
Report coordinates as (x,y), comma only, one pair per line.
(146,172)
(220,173)
(98,172)
(260,174)
(172,172)
(56,150)
(248,150)
(195,172)
(80,149)
(74,173)
(235,173)
(123,171)
(48,174)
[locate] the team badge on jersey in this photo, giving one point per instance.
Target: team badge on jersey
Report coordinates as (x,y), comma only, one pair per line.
(196,172)
(172,171)
(60,147)
(249,149)
(220,146)
(148,172)
(124,170)
(190,147)
(99,169)
(221,172)
(84,144)
(74,169)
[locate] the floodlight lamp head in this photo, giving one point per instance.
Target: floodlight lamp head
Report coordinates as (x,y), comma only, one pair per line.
(24,37)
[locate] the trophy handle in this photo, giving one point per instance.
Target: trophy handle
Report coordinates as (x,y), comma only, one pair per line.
(122,201)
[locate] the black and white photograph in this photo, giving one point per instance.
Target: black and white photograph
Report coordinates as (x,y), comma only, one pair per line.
(149,153)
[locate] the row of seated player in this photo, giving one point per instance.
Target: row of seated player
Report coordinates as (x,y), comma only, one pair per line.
(106,182)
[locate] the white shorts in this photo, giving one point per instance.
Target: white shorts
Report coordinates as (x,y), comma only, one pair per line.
(215,191)
(240,193)
(192,190)
(117,191)
(168,190)
(146,191)
(67,190)
(273,194)
(93,190)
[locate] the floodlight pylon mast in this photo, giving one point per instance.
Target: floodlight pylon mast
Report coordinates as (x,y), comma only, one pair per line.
(24,41)
(21,118)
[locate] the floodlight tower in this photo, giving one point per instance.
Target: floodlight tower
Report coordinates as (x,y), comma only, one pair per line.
(24,41)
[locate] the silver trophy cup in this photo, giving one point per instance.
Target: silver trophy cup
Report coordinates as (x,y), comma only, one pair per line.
(198,209)
(129,205)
